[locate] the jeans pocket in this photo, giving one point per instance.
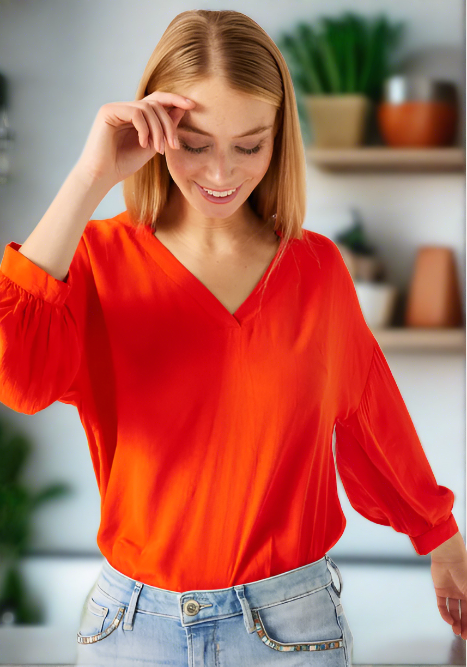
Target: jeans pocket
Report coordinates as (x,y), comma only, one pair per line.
(344,625)
(304,623)
(101,615)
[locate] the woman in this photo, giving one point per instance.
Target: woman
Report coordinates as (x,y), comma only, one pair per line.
(211,346)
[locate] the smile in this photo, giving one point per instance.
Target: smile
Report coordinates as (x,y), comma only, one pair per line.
(220,198)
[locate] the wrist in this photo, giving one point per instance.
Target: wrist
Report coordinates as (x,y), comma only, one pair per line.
(451,550)
(89,180)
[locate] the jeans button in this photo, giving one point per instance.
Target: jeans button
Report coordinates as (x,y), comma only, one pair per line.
(191,607)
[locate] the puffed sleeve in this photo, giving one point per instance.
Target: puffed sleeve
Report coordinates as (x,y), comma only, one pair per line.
(384,469)
(41,328)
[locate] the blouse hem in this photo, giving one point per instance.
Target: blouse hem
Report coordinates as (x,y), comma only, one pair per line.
(30,277)
(435,536)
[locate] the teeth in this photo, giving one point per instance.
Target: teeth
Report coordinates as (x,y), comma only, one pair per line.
(219,194)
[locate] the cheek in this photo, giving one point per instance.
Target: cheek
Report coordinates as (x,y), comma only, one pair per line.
(179,164)
(262,162)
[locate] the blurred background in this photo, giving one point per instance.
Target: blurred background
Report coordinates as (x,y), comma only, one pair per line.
(380,86)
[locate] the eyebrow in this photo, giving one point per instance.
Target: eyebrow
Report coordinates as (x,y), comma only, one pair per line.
(197,130)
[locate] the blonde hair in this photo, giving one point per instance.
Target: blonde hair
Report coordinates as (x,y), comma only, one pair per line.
(200,44)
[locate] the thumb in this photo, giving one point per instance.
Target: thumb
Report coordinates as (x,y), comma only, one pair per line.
(176,114)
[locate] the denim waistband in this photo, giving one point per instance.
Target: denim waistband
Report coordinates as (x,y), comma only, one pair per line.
(198,606)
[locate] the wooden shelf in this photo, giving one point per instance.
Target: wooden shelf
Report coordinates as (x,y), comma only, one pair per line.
(421,340)
(384,158)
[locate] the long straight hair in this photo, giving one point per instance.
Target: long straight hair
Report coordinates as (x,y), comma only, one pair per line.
(200,44)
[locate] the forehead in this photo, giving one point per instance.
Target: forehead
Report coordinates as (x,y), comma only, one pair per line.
(222,111)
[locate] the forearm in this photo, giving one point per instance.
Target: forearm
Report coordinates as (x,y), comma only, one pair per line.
(53,242)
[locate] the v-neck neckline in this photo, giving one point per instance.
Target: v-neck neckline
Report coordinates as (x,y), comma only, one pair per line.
(178,272)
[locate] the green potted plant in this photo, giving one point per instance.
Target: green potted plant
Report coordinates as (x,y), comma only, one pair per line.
(338,67)
(360,256)
(17,505)
(376,296)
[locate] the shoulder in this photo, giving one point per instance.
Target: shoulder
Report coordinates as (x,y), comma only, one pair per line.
(323,249)
(112,232)
(104,243)
(108,226)
(322,261)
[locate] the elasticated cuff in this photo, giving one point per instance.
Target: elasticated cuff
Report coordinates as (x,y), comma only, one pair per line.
(435,536)
(19,269)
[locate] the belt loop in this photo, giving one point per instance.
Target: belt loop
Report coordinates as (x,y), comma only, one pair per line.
(331,562)
(247,617)
(128,618)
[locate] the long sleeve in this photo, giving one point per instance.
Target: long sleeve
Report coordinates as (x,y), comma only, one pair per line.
(383,466)
(41,328)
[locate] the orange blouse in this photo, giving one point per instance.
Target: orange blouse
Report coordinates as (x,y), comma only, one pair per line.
(211,433)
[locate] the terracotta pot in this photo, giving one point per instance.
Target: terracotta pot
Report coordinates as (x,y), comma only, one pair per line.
(434,293)
(417,111)
(337,121)
(420,124)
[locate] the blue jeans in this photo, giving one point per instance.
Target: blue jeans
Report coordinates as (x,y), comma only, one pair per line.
(126,623)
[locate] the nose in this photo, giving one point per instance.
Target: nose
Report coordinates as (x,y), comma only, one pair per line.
(220,171)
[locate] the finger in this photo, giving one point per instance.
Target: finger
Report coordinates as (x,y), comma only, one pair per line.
(464,619)
(157,133)
(453,606)
(139,121)
(176,115)
(127,114)
(170,99)
(443,610)
(178,103)
(166,122)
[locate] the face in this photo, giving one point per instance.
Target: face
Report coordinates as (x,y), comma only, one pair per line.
(220,159)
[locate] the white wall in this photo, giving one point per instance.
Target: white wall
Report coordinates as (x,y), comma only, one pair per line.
(64,60)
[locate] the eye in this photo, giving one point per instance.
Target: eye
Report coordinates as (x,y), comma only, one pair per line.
(245,151)
(250,151)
